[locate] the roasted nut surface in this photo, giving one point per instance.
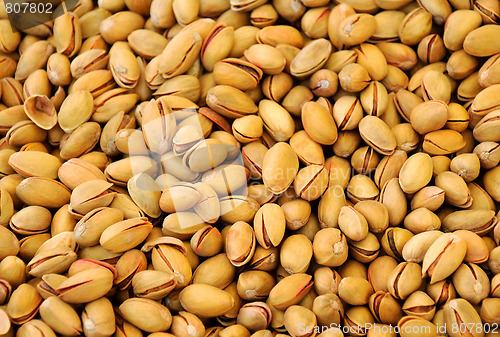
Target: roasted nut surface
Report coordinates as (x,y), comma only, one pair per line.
(251,168)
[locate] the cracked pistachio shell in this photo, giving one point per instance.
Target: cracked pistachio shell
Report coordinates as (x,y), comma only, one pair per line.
(266,57)
(485,101)
(404,280)
(311,182)
(61,317)
(269,225)
(436,86)
(153,284)
(186,324)
(385,308)
(430,197)
(376,133)
(169,255)
(207,241)
(145,193)
(31,220)
(206,300)
(98,318)
(93,59)
(481,42)
(394,240)
(35,328)
(361,188)
(290,291)
(408,324)
(357,28)
(240,243)
(347,112)
(90,195)
(471,283)
(124,235)
(123,65)
(55,260)
(311,58)
(77,171)
(416,247)
(485,129)
(255,316)
(67,34)
(180,53)
(477,250)
(460,311)
(365,250)
(205,155)
(88,230)
(443,142)
(86,286)
(421,220)
(43,192)
(41,111)
(23,304)
(146,314)
(477,221)
(24,132)
(81,141)
(240,74)
(230,101)
(480,198)
(352,223)
(208,207)
(247,129)
(217,45)
(455,188)
(443,257)
(129,264)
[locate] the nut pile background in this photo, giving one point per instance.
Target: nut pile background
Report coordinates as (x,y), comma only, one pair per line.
(251,168)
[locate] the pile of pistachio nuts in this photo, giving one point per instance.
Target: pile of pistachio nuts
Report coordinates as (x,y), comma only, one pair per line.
(264,168)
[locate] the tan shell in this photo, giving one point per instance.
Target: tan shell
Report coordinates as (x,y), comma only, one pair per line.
(145,193)
(35,164)
(75,110)
(43,192)
(41,111)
